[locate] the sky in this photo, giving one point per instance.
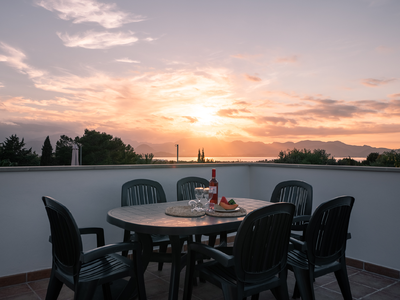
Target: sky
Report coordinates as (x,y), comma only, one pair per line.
(158,71)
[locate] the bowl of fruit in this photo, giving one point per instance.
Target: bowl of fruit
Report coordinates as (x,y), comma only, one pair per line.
(226,206)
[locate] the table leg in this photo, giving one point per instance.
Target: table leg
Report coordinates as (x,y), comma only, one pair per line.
(147,248)
(176,266)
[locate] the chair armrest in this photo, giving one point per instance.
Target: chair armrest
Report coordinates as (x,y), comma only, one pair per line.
(303,218)
(224,259)
(99,232)
(298,245)
(109,249)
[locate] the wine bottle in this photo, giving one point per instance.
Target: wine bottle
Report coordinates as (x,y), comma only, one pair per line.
(213,186)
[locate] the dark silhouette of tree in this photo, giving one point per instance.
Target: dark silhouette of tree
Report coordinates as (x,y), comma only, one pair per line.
(104,149)
(199,157)
(13,153)
(305,156)
(371,159)
(202,156)
(47,153)
(63,153)
(348,161)
(388,159)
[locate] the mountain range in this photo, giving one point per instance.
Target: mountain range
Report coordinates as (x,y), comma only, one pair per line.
(214,147)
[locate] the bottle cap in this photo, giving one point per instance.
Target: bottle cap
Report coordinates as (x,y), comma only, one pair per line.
(213,172)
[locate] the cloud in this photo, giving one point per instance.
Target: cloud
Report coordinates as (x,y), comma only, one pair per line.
(311,132)
(371,82)
(252,78)
(80,11)
(191,119)
(384,49)
(127,60)
(1,85)
(233,113)
(97,40)
(287,59)
(395,96)
(15,58)
(277,120)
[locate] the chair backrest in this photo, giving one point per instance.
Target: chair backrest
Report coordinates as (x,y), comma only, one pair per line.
(299,193)
(326,234)
(261,243)
(142,191)
(65,237)
(185,187)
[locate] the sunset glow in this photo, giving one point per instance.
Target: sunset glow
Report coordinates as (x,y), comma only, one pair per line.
(158,72)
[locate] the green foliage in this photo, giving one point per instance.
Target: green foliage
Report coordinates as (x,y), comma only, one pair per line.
(348,161)
(13,153)
(147,159)
(388,159)
(47,153)
(305,156)
(104,149)
(63,153)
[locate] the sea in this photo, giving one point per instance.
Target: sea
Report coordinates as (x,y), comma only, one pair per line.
(235,159)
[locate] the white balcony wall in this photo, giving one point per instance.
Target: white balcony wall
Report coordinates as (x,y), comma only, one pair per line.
(91,191)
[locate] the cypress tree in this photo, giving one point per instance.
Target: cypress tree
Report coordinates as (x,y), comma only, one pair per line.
(47,153)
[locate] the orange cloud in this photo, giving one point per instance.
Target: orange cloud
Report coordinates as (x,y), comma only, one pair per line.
(371,82)
(191,119)
(394,96)
(252,78)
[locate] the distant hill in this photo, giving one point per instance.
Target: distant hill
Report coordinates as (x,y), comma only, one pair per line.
(215,147)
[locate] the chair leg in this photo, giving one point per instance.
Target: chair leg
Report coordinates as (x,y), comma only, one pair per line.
(304,283)
(223,239)
(85,291)
(189,276)
(127,236)
(296,291)
(211,240)
(343,281)
(54,288)
(162,249)
(107,291)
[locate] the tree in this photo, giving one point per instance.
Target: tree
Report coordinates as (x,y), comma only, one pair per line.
(202,156)
(13,153)
(104,149)
(47,153)
(63,153)
(305,156)
(388,159)
(199,157)
(348,161)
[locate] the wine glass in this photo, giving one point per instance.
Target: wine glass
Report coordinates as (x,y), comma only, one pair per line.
(208,195)
(199,192)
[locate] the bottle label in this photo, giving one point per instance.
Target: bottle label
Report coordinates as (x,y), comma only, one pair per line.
(213,190)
